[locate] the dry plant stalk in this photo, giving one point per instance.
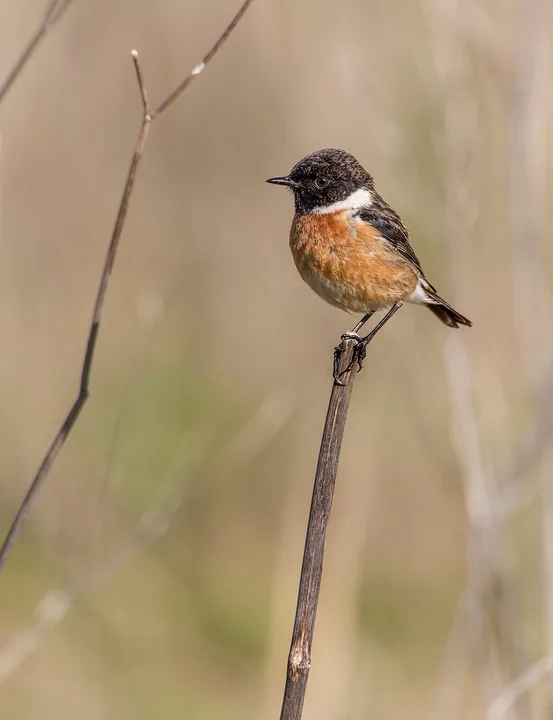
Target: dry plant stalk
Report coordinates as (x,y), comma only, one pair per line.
(54,11)
(299,658)
(148,116)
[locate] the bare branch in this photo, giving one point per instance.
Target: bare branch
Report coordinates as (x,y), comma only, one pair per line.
(200,67)
(499,708)
(83,393)
(299,659)
(54,11)
(140,80)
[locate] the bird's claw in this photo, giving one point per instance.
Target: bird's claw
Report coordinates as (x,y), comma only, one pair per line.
(336,365)
(356,357)
(360,352)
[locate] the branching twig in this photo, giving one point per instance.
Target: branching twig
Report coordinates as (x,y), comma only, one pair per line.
(299,659)
(499,708)
(74,412)
(202,65)
(54,11)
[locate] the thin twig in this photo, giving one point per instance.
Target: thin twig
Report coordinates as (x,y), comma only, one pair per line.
(200,67)
(83,393)
(299,658)
(54,11)
(74,412)
(141,85)
(499,708)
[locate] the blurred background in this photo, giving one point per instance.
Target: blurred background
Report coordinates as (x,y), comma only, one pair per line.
(157,575)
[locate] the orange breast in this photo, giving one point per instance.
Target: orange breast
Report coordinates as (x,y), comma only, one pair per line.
(348,264)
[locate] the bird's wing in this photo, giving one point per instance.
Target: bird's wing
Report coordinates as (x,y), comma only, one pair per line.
(391,228)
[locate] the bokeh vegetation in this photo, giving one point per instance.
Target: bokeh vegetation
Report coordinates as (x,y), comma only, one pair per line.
(158,573)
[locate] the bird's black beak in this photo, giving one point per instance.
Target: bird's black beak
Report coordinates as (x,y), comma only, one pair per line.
(286,180)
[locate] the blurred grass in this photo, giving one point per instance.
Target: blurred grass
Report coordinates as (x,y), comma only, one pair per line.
(206,319)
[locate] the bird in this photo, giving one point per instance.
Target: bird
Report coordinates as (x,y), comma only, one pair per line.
(352,248)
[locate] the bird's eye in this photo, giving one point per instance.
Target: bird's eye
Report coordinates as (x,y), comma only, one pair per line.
(322,182)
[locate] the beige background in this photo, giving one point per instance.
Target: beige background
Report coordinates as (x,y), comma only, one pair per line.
(157,575)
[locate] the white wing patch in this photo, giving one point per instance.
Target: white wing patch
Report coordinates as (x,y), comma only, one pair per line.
(420,297)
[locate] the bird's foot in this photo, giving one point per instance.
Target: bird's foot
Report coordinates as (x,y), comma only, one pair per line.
(338,352)
(360,351)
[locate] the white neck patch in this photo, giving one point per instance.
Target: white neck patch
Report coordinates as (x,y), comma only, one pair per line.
(357,199)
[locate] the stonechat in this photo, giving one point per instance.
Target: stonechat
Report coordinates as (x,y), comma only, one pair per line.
(352,248)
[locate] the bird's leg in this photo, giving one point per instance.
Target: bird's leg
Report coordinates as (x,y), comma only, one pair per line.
(351,335)
(361,347)
(360,324)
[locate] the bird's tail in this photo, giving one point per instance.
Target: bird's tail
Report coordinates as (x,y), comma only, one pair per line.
(442,310)
(449,316)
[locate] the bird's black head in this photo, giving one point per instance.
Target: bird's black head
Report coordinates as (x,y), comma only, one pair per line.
(325,181)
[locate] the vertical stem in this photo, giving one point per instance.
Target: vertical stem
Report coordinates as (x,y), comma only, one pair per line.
(299,659)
